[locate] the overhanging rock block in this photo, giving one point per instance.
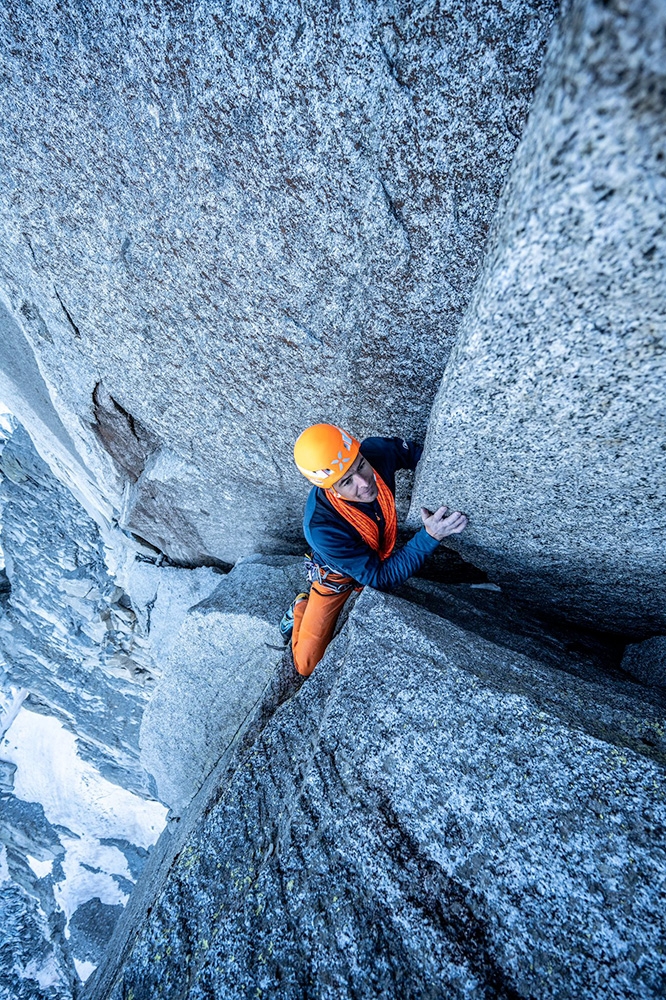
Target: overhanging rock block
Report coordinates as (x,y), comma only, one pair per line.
(431,815)
(549,423)
(226,652)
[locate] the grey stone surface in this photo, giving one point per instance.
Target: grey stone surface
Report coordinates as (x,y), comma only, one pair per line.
(24,827)
(646,661)
(91,927)
(224,223)
(431,815)
(550,419)
(215,673)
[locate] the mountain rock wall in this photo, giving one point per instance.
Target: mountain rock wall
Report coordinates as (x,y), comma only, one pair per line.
(220,223)
(34,959)
(549,425)
(83,647)
(223,222)
(432,814)
(83,630)
(69,634)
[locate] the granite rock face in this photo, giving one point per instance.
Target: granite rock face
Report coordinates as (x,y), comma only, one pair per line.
(223,223)
(549,424)
(217,670)
(431,815)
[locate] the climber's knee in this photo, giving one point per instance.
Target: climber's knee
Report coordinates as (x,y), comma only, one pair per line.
(314,625)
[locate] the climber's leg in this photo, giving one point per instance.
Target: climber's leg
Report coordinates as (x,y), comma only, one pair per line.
(314,625)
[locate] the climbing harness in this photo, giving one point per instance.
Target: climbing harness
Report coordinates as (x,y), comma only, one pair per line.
(336,582)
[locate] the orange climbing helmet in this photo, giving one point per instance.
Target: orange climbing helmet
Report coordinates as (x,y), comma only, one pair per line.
(324,452)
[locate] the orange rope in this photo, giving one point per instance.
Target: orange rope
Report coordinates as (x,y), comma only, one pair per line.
(368,528)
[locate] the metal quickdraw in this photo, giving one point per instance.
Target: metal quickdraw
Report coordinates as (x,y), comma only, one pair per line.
(327,577)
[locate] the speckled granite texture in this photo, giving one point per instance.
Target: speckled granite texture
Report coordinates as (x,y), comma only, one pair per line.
(222,222)
(549,426)
(432,815)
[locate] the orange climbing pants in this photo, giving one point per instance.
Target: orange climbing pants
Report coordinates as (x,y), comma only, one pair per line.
(314,623)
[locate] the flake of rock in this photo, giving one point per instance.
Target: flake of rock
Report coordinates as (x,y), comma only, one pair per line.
(646,661)
(548,425)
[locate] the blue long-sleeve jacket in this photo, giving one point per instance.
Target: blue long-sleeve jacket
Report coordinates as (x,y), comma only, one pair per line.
(335,543)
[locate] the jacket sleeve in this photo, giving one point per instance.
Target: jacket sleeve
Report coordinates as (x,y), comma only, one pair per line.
(356,559)
(396,452)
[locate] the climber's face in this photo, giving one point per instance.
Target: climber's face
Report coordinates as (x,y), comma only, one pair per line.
(358,484)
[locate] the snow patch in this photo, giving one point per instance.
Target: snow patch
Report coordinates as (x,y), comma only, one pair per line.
(80,884)
(45,972)
(72,792)
(84,969)
(75,796)
(40,868)
(7,422)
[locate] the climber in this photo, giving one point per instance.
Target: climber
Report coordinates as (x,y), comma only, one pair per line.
(350,522)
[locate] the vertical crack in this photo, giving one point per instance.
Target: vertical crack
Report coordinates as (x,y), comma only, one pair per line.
(77,332)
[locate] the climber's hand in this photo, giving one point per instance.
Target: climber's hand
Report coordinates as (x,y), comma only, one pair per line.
(442,522)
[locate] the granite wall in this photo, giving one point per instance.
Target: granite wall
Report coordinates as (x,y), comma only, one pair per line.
(549,424)
(223,222)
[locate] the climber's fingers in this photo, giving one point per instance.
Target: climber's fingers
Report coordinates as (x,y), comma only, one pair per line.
(443,522)
(455,523)
(438,515)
